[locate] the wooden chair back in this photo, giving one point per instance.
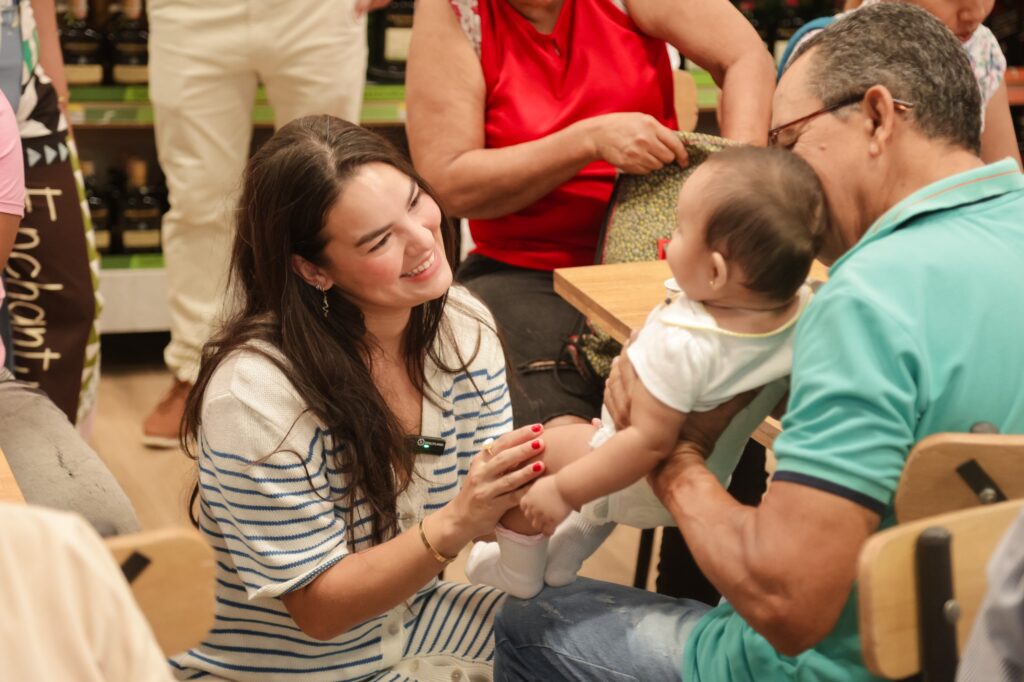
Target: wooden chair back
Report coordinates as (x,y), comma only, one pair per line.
(950,471)
(171,574)
(685,100)
(899,574)
(9,490)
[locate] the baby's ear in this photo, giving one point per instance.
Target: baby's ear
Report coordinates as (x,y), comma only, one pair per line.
(719,271)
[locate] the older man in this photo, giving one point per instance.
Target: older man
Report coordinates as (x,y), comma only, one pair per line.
(917,331)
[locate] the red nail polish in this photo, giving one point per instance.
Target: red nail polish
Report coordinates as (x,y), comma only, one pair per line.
(535,445)
(535,428)
(537,466)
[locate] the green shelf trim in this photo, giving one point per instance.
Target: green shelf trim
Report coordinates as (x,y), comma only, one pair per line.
(707,99)
(134,94)
(135,261)
(703,78)
(129,106)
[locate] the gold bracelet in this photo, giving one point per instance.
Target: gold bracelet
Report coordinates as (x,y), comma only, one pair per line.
(441,558)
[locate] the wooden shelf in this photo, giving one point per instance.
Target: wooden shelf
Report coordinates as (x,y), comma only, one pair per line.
(134,299)
(707,91)
(1015,85)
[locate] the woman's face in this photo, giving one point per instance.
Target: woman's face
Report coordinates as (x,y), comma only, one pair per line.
(384,249)
(962,17)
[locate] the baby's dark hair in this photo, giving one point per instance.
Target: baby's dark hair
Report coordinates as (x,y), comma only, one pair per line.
(769,217)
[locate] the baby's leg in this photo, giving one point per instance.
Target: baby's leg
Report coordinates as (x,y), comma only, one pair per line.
(516,561)
(563,445)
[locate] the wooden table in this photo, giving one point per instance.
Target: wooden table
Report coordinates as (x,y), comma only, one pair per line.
(617,298)
(9,490)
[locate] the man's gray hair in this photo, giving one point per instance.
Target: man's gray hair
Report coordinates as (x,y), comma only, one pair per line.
(912,54)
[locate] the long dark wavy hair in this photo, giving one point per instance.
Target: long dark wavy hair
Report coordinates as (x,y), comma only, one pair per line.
(288,188)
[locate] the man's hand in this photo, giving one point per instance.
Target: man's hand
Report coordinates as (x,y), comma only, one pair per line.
(697,438)
(544,505)
(618,386)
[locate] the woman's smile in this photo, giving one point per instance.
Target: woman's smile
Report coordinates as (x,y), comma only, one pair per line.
(422,268)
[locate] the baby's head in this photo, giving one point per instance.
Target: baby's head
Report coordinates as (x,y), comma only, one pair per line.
(749,225)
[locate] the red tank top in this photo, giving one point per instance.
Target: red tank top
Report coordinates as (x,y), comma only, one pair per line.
(596,61)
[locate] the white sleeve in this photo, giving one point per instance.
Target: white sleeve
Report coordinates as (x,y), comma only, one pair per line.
(672,364)
(269,483)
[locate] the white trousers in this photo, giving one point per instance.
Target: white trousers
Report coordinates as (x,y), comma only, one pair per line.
(206,59)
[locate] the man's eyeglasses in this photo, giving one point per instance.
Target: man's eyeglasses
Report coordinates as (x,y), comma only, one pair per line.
(777,139)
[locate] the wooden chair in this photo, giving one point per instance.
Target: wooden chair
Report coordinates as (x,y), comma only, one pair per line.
(685,100)
(920,586)
(171,575)
(9,490)
(950,471)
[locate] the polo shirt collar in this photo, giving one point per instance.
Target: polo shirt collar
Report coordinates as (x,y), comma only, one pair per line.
(961,189)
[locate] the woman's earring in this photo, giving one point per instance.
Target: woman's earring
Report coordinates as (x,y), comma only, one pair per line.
(325,307)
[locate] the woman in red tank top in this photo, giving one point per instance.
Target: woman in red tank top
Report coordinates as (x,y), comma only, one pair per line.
(520,113)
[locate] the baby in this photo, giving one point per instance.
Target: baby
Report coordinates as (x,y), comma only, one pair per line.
(749,225)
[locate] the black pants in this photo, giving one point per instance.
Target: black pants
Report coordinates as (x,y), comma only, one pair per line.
(678,574)
(534,323)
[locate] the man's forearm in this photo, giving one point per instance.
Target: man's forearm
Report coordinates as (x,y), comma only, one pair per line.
(717,528)
(734,551)
(786,566)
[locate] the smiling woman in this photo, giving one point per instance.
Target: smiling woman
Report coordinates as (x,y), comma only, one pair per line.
(348,344)
(384,251)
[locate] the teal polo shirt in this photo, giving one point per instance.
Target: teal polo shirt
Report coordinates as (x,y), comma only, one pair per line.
(920,329)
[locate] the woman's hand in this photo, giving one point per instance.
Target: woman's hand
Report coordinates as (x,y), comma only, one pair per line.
(496,482)
(544,505)
(634,143)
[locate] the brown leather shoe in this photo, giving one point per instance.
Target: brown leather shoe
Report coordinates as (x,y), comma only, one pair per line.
(161,428)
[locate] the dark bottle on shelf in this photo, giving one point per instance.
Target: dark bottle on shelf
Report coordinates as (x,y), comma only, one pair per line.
(99,210)
(388,33)
(748,8)
(789,23)
(81,45)
(139,227)
(128,37)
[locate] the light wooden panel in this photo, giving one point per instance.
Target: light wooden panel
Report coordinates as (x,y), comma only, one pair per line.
(887,583)
(175,589)
(9,490)
(930,485)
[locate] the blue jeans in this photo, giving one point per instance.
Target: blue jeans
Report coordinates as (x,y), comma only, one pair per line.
(592,630)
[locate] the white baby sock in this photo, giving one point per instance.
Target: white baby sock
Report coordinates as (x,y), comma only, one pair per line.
(515,563)
(574,540)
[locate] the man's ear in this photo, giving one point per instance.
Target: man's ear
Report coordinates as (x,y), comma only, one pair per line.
(311,274)
(881,112)
(719,271)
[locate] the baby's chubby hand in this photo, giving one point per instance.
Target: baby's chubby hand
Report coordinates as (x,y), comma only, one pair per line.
(544,505)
